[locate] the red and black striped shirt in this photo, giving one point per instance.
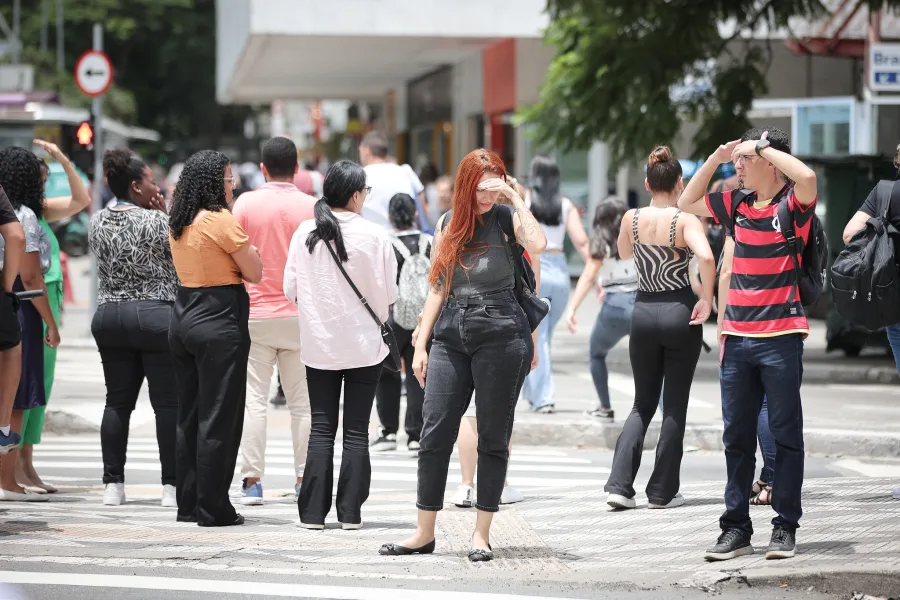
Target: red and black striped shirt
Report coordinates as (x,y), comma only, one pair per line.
(762,273)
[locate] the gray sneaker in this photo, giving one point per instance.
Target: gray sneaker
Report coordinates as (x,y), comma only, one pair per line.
(783,544)
(731,544)
(897,494)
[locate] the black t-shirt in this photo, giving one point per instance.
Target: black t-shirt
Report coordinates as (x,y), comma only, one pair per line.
(870,206)
(7,214)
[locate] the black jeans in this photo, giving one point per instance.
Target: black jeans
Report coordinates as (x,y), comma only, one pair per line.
(387,399)
(133,340)
(662,346)
(482,344)
(753,369)
(355,476)
(210,344)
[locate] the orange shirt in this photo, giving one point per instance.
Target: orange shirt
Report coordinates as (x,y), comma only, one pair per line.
(202,255)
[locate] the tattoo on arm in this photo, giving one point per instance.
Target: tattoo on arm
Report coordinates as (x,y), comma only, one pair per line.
(526,232)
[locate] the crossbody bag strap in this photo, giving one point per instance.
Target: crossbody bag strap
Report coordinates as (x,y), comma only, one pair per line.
(352,285)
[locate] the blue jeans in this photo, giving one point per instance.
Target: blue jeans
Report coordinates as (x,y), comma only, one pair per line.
(893,335)
(766,445)
(612,324)
(555,285)
(753,369)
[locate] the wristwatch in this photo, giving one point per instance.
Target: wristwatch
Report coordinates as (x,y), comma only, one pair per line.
(761,145)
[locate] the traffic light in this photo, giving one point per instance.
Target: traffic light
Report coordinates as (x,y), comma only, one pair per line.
(85,133)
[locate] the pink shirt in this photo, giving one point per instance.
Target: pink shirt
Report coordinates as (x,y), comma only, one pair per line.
(336,331)
(270,216)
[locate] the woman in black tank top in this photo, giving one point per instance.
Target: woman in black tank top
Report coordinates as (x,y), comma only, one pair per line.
(666,332)
(482,344)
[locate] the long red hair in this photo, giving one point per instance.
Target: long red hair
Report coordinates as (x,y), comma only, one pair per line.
(465,211)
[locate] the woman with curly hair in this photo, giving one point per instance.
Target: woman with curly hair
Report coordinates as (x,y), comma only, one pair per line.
(20,177)
(209,336)
(482,342)
(55,209)
(137,284)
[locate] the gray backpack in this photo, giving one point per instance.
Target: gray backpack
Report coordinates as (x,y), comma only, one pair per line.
(413,282)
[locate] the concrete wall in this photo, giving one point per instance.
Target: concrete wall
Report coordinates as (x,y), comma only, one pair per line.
(232,31)
(468,101)
(401,18)
(793,76)
(533,58)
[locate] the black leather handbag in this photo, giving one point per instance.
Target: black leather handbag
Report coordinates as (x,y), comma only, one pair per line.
(535,309)
(392,361)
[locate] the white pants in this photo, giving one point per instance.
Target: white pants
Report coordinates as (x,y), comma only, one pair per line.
(274,341)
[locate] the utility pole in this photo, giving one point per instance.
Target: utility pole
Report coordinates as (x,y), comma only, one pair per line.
(97,110)
(44,41)
(60,41)
(17,31)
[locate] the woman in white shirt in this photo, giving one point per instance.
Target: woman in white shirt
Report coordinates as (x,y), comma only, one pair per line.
(557,217)
(618,287)
(341,345)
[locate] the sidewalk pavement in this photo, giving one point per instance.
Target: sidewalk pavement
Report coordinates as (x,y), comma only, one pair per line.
(849,541)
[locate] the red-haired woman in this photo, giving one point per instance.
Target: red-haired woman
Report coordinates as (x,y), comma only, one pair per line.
(482,342)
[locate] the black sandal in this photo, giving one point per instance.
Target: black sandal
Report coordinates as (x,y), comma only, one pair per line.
(481,555)
(757,487)
(398,550)
(757,499)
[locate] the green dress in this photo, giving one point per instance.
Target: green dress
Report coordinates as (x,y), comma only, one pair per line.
(33,424)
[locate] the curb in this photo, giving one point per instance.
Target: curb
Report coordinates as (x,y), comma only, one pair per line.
(63,422)
(881,583)
(585,434)
(813,372)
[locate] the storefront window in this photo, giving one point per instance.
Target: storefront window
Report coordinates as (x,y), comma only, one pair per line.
(824,130)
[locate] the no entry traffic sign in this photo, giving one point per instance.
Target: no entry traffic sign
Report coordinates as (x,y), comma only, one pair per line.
(93,73)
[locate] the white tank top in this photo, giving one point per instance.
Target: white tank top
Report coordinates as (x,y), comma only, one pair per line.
(556,234)
(618,275)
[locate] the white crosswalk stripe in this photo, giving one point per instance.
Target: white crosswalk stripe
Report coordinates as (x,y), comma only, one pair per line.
(57,457)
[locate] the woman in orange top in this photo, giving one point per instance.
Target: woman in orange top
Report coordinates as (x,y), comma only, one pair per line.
(209,337)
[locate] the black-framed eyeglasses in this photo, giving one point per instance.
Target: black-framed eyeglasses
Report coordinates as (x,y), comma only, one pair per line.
(367,189)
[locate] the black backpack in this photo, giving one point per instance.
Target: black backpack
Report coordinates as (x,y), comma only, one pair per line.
(864,281)
(811,277)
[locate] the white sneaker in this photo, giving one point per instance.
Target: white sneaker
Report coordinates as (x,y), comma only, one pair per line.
(168,497)
(464,496)
(675,502)
(511,495)
(114,494)
(351,526)
(619,501)
(7,496)
(311,526)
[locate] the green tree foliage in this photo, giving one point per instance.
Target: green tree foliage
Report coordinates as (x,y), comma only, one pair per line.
(629,71)
(163,52)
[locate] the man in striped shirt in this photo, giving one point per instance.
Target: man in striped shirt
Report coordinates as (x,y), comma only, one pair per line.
(762,330)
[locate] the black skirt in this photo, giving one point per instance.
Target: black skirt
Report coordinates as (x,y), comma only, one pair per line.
(31,392)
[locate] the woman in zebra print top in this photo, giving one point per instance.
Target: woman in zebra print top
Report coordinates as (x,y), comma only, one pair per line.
(666,331)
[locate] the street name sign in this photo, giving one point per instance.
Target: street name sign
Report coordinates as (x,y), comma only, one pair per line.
(884,67)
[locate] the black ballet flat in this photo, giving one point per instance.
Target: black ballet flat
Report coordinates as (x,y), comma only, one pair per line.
(398,550)
(481,555)
(186,518)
